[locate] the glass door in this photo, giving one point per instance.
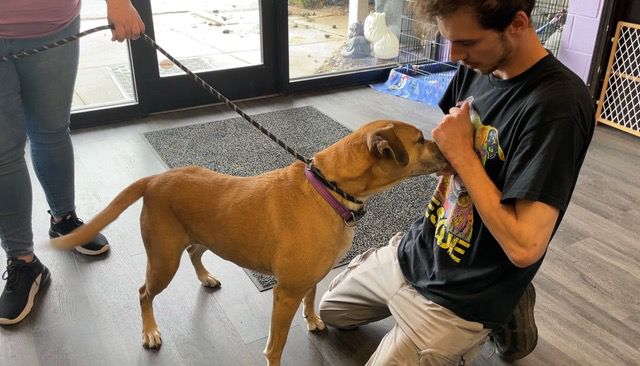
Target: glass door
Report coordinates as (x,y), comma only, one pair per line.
(231,44)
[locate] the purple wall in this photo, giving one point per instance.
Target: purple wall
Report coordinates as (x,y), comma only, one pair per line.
(579,35)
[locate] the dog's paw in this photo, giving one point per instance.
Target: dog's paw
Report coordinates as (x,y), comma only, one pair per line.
(151,339)
(315,324)
(209,281)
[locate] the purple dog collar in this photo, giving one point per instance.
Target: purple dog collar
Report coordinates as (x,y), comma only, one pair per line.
(350,218)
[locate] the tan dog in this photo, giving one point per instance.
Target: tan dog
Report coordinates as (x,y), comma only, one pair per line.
(275,223)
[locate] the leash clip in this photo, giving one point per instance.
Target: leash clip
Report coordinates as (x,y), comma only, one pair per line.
(356,216)
(352,221)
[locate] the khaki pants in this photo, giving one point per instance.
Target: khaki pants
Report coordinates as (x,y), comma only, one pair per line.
(372,287)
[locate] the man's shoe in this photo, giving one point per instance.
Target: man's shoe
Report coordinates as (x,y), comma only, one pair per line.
(519,336)
(24,280)
(69,223)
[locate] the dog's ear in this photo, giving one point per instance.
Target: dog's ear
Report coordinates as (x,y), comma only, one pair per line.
(384,143)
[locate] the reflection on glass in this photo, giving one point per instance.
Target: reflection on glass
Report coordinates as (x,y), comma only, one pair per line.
(336,36)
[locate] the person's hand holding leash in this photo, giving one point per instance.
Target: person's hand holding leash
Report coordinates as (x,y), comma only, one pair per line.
(125,18)
(454,136)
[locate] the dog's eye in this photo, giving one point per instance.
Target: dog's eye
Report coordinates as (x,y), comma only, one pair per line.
(421,139)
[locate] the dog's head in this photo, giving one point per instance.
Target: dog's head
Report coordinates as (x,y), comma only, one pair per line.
(379,155)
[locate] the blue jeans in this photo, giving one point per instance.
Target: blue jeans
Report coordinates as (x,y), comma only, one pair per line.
(35,103)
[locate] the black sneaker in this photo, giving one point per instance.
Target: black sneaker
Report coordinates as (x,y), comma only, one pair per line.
(69,223)
(24,280)
(519,336)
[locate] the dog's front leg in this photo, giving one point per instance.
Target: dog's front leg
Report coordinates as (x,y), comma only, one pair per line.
(314,323)
(285,304)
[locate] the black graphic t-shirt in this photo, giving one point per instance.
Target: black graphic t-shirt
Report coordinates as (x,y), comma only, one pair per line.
(531,134)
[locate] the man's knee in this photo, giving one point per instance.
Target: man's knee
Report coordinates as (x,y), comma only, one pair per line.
(334,318)
(350,315)
(331,314)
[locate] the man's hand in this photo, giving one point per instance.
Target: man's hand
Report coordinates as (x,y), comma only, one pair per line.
(125,18)
(454,136)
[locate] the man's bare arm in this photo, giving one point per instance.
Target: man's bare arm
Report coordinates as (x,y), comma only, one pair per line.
(522,229)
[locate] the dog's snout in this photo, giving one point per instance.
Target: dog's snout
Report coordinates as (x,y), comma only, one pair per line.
(435,151)
(435,156)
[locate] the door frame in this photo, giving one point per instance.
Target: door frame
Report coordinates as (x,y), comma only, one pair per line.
(611,14)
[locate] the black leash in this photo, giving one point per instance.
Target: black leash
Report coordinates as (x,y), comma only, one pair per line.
(199,81)
(25,53)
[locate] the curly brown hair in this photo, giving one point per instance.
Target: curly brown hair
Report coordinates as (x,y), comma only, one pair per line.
(492,14)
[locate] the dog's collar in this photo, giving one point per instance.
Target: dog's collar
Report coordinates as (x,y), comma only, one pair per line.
(331,185)
(319,183)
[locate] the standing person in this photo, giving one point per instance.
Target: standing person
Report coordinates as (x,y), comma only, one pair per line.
(35,103)
(463,270)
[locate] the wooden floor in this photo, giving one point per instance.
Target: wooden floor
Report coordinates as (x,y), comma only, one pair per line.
(588,307)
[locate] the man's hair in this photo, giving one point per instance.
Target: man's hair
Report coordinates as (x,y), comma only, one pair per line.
(491,14)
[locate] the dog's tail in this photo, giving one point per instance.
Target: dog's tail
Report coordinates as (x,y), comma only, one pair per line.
(85,233)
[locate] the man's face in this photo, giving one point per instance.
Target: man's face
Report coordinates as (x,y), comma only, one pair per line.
(483,50)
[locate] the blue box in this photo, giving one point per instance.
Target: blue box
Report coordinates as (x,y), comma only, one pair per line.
(424,83)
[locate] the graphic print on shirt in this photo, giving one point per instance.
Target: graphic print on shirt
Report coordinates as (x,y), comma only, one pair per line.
(451,209)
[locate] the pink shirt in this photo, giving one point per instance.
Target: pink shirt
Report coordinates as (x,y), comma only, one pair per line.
(35,18)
